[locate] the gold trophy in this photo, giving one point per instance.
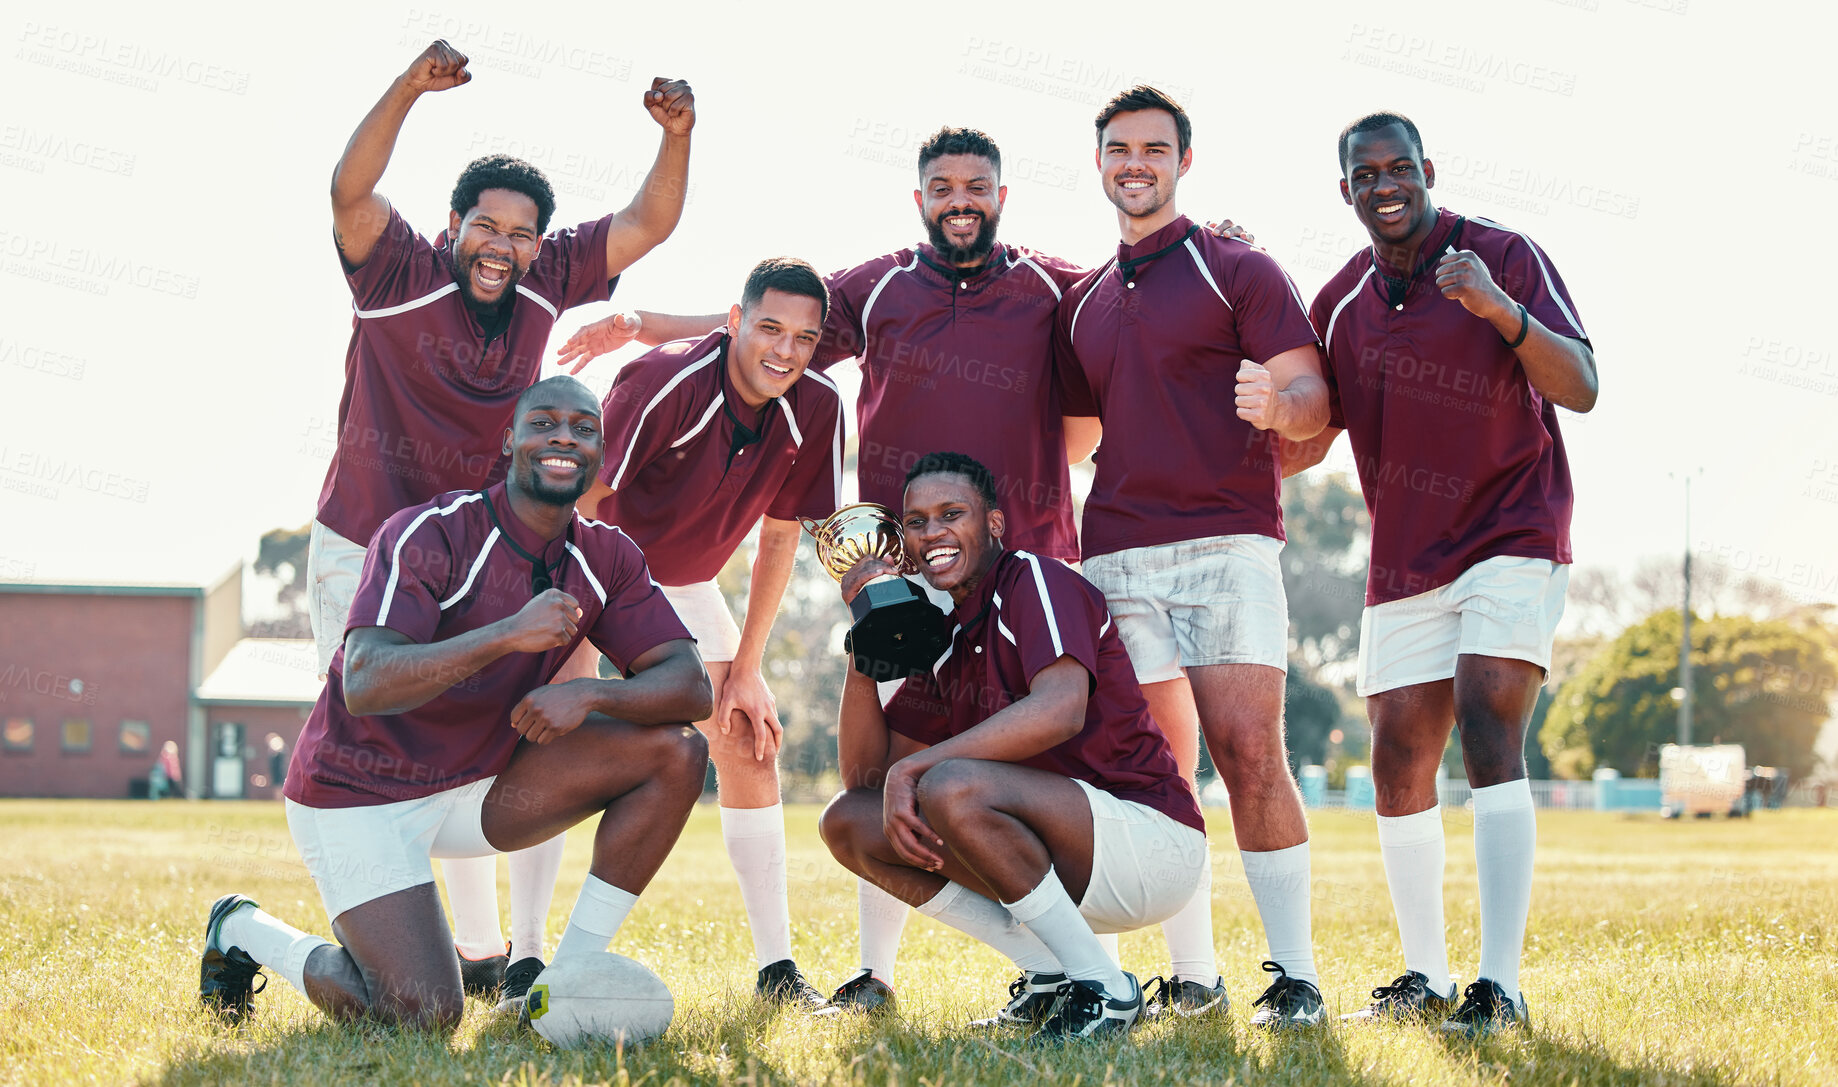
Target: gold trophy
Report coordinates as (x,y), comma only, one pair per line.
(897,631)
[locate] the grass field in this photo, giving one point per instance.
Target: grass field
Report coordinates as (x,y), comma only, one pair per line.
(1695,953)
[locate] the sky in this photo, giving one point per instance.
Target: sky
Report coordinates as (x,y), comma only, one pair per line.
(175,322)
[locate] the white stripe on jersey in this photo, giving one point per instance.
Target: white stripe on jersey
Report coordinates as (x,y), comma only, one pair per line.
(791,420)
(1200,263)
(1046,603)
(836,496)
(395,558)
(1041,272)
(1550,285)
(472,574)
(1072,330)
(391,311)
(868,306)
(713,406)
(1327,341)
(619,476)
(581,561)
(554,314)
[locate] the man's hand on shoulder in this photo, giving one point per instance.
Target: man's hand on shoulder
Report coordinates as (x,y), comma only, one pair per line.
(591,341)
(554,709)
(1225,228)
(440,67)
(672,105)
(548,621)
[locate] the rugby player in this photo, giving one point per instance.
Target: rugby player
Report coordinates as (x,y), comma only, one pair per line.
(1450,344)
(1183,531)
(1020,793)
(439,734)
(954,339)
(445,337)
(707,439)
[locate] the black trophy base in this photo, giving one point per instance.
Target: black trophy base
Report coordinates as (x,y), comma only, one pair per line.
(897,632)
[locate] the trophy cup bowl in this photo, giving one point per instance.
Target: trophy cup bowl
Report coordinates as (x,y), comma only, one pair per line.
(898,632)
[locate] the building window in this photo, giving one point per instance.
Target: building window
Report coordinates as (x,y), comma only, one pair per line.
(76,736)
(136,738)
(18,735)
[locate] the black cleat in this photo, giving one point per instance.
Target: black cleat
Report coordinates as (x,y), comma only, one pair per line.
(514,995)
(484,977)
(1031,998)
(863,994)
(1083,1010)
(226,979)
(1485,1008)
(1184,998)
(783,983)
(1409,998)
(1288,1003)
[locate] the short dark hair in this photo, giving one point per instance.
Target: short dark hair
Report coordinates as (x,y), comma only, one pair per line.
(559,381)
(504,172)
(1141,97)
(1372,122)
(788,274)
(957,464)
(959,141)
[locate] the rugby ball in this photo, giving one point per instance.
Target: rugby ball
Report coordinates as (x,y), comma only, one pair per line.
(599,999)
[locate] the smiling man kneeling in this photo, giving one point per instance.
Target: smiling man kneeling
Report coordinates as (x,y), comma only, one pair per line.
(1025,795)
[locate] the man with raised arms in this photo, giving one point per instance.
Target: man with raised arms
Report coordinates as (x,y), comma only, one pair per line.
(446,335)
(1193,350)
(707,439)
(1019,793)
(1451,342)
(439,734)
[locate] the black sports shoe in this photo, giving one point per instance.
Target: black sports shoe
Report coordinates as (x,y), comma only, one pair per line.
(783,983)
(1408,998)
(1288,1003)
(226,979)
(518,977)
(483,977)
(1485,1008)
(1183,997)
(863,994)
(1084,1011)
(1031,998)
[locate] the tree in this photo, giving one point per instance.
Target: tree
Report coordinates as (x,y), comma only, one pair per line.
(282,562)
(1762,683)
(1324,566)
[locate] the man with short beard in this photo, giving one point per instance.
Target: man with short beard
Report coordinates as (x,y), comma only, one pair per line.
(439,733)
(446,335)
(1183,529)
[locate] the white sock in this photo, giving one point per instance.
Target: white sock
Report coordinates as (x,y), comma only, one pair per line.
(1190,934)
(1109,942)
(882,918)
(1413,851)
(533,873)
(270,941)
(1279,882)
(1049,913)
(598,913)
(970,913)
(1505,838)
(755,838)
(472,897)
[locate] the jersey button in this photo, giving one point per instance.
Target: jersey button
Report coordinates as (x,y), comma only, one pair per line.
(1129,286)
(979,649)
(963,286)
(1400,306)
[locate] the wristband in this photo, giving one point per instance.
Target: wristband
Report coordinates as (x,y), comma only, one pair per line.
(1525,326)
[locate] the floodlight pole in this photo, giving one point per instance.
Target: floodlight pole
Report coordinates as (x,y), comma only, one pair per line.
(1684,648)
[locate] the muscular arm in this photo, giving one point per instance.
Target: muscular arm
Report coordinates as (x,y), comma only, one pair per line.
(668,686)
(1301,394)
(1560,368)
(386,673)
(359,213)
(1303,455)
(609,334)
(654,212)
(865,746)
(1082,435)
(746,689)
(1052,712)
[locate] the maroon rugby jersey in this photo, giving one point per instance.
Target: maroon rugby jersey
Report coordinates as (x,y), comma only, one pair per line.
(1029,612)
(681,489)
(1151,343)
(963,361)
(436,571)
(1459,458)
(428,390)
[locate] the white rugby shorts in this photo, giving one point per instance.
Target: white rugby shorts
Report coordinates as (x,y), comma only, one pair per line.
(1499,607)
(358,854)
(705,612)
(1145,865)
(333,567)
(1216,600)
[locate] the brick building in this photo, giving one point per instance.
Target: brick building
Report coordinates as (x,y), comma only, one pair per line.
(96,678)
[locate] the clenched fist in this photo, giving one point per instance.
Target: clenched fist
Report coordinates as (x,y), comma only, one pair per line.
(439,67)
(547,622)
(672,105)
